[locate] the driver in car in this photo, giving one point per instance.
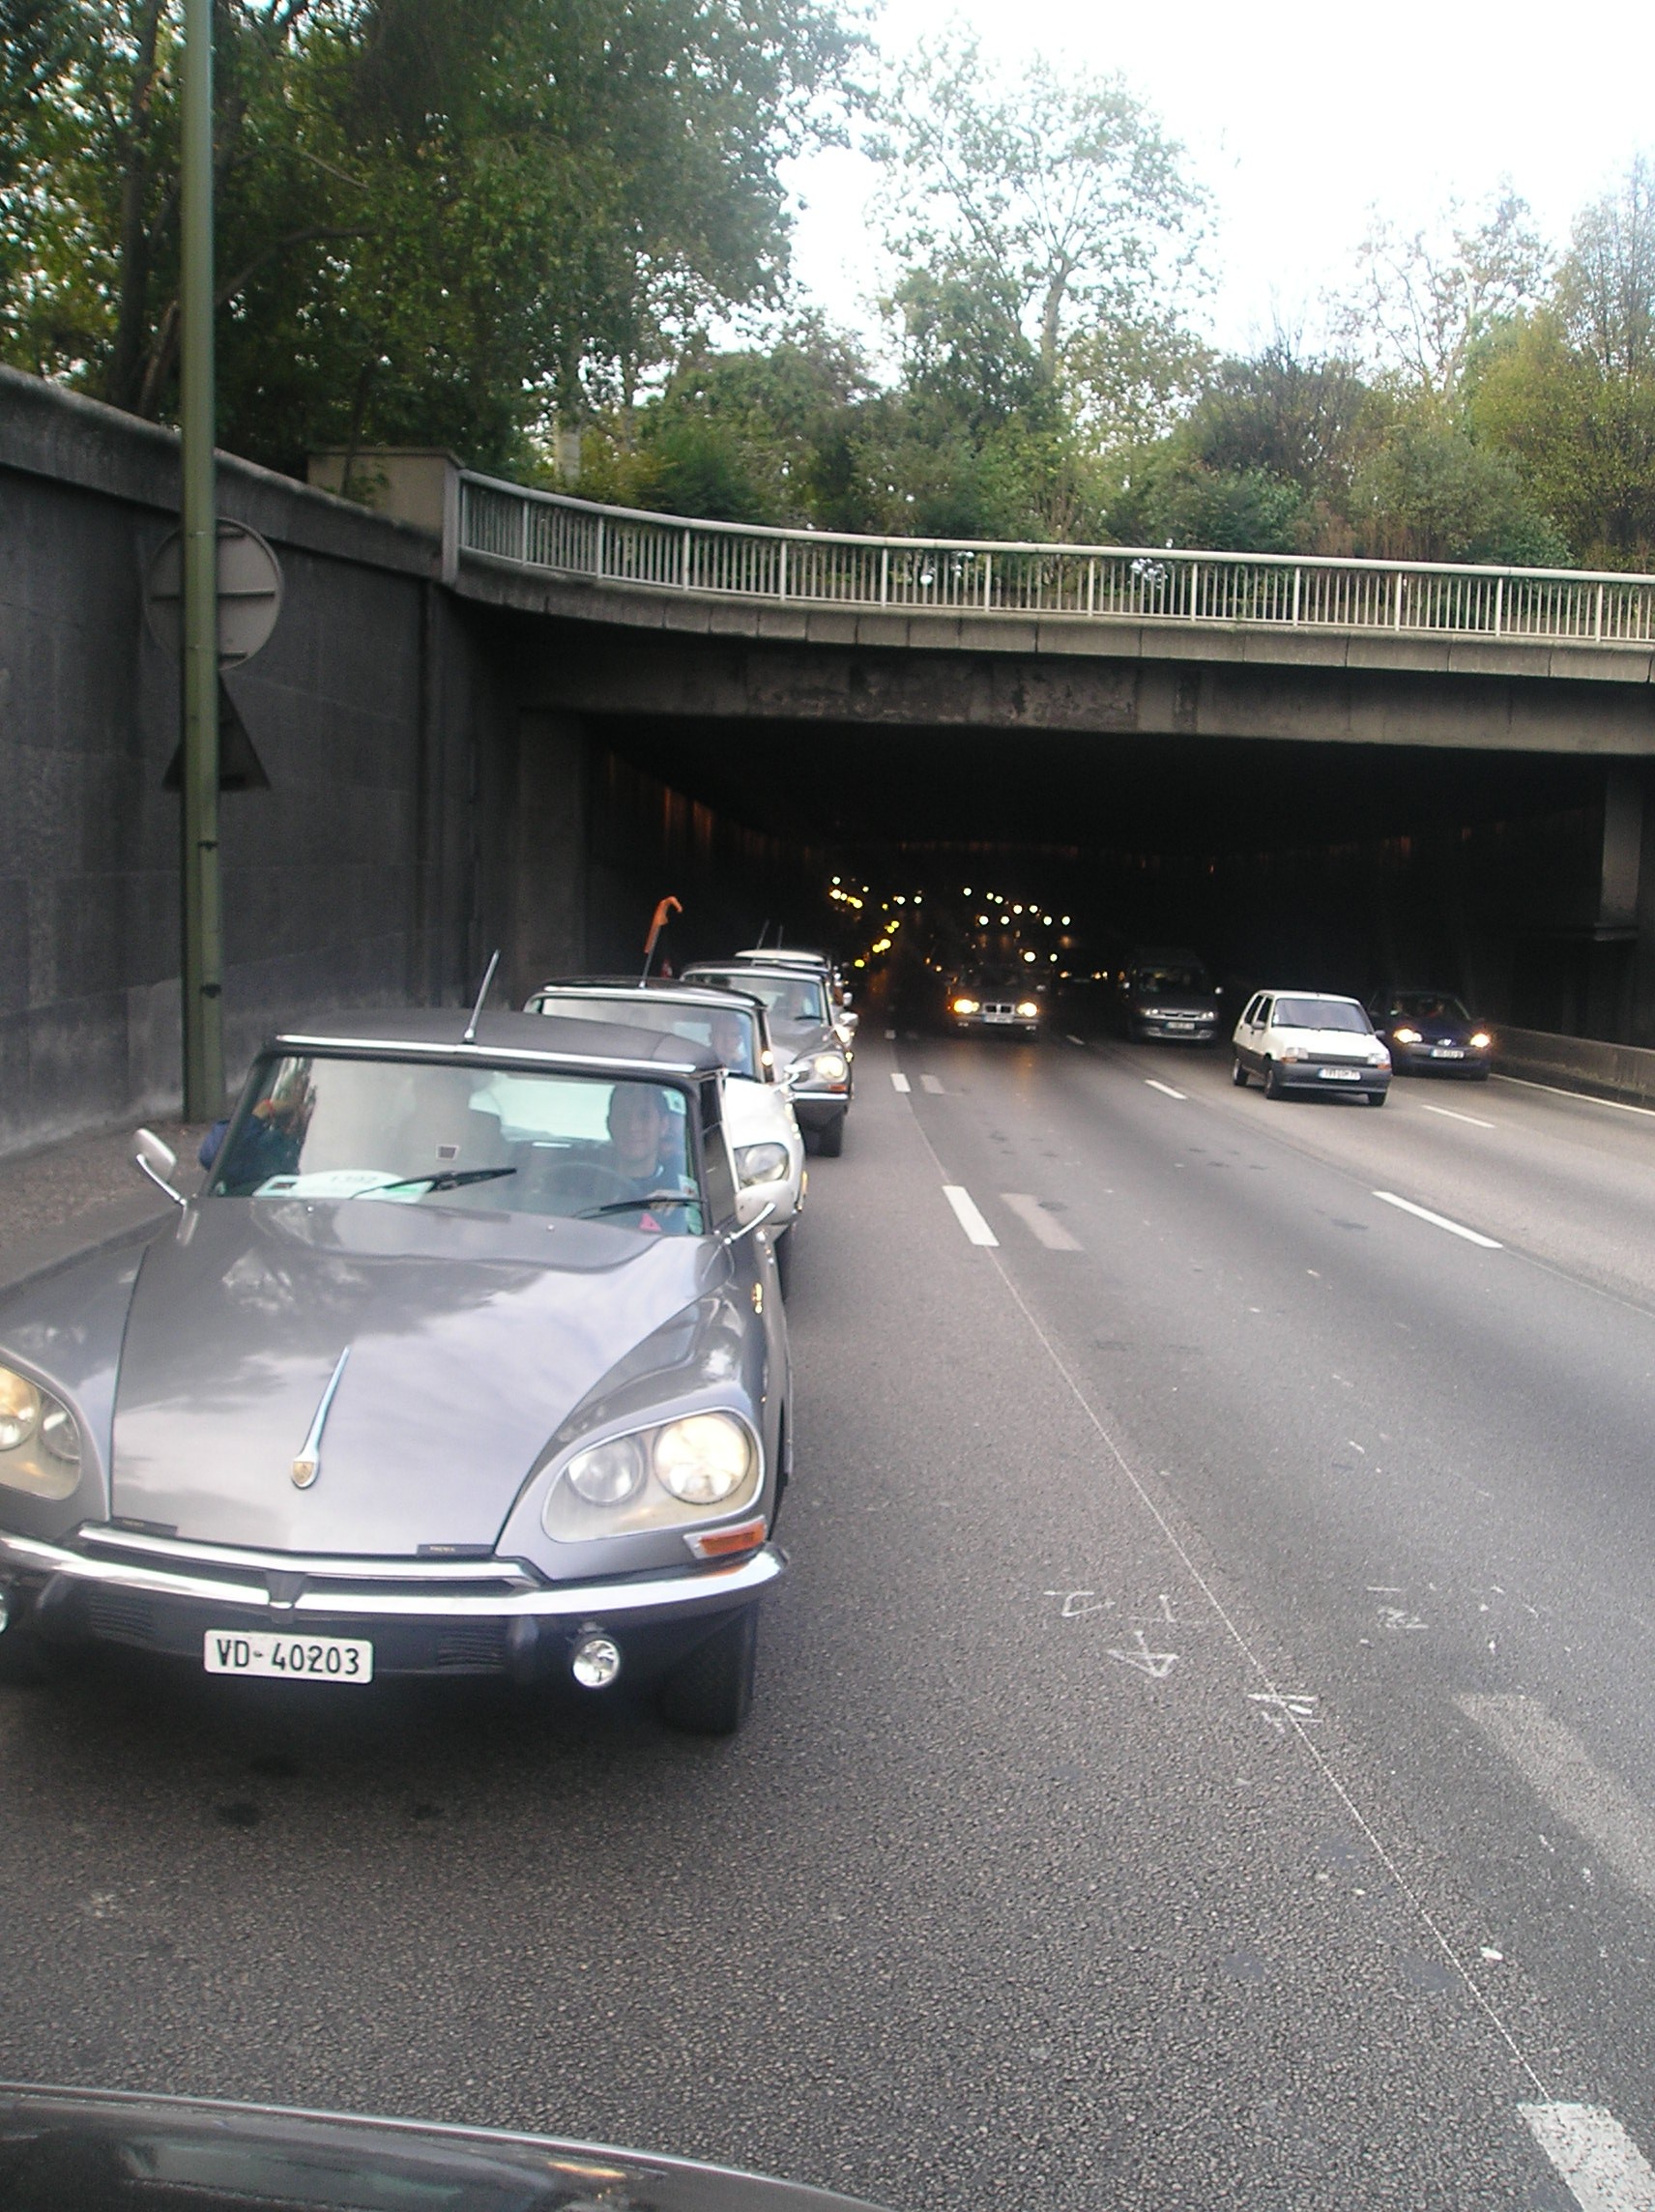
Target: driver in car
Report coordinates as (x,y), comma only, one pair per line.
(729,1040)
(643,1141)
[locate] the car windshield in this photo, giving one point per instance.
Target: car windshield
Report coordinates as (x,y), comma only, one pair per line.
(1170,979)
(729,1031)
(1321,1014)
(1428,1007)
(487,1139)
(796,998)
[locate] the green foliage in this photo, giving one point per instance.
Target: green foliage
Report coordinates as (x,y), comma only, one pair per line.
(437,218)
(1430,493)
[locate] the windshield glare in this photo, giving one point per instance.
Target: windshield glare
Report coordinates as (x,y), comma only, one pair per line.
(793,998)
(1321,1014)
(731,1031)
(487,1140)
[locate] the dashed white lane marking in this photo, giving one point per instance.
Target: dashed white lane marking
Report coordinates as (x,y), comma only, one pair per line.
(1555,1762)
(1165,1089)
(933,1084)
(899,1080)
(1081,1041)
(1604,2168)
(966,1215)
(890,1032)
(1448,1114)
(1440,1221)
(1034,1215)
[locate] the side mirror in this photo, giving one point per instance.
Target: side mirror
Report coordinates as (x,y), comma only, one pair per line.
(158,1161)
(752,1210)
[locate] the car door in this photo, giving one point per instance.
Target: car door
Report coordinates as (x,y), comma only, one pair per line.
(1252,1049)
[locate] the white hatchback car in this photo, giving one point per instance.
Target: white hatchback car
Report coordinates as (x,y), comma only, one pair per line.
(1309,1040)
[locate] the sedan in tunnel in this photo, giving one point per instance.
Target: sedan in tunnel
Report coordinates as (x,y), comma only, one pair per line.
(1430,1032)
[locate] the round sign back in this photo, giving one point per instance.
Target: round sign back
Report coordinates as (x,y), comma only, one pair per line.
(249,594)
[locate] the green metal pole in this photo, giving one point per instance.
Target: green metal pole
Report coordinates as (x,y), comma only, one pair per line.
(203,918)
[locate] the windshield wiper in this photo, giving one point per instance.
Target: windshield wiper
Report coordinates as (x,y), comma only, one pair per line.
(636,1205)
(445,1179)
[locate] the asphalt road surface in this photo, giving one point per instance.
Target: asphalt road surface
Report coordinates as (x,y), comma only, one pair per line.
(1204,1751)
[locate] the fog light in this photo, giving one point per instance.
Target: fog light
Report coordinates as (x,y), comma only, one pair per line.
(594,1662)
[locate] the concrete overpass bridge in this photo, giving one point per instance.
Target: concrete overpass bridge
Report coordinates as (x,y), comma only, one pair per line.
(496,716)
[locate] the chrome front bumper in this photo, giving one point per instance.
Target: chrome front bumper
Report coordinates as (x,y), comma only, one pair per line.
(429,1615)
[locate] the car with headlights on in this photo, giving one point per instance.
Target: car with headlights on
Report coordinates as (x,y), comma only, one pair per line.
(1169,995)
(1428,1033)
(764,1137)
(817,1063)
(996,998)
(1310,1040)
(463,1360)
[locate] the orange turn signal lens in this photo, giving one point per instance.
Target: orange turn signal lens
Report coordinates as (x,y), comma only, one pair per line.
(725,1543)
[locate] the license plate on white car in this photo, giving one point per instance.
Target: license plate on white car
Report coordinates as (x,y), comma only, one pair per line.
(1342,1075)
(290,1658)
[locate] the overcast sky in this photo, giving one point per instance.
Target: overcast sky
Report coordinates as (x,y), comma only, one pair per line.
(1301,117)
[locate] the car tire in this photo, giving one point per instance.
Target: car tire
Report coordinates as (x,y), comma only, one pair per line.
(1272,1080)
(710,1693)
(1375,1097)
(782,1247)
(24,1660)
(1238,1073)
(830,1141)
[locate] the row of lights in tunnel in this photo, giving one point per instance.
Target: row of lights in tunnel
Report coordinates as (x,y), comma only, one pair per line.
(856,899)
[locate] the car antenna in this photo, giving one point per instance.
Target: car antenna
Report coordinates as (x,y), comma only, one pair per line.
(667,906)
(470,1036)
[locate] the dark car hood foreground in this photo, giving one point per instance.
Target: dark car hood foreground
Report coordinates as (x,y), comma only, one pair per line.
(68,2150)
(471,1340)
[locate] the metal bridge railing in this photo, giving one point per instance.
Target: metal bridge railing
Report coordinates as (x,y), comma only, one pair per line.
(549,532)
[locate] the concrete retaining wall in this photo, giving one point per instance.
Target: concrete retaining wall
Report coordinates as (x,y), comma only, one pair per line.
(1621,1071)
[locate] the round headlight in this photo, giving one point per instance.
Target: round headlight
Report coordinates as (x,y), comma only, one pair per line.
(1480,1039)
(608,1474)
(59,1434)
(833,1066)
(703,1459)
(20,1410)
(1028,1006)
(761,1163)
(965,1006)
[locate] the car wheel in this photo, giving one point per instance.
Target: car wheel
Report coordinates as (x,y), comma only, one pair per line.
(1272,1080)
(830,1141)
(712,1692)
(1238,1073)
(782,1247)
(1375,1097)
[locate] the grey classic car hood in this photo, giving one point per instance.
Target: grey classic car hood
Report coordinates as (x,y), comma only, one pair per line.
(470,1341)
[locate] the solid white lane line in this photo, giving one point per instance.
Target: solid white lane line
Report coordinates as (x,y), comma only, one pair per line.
(1586,1098)
(1556,1765)
(899,1080)
(1034,1215)
(1165,1088)
(1440,1221)
(1450,1115)
(966,1215)
(1604,2168)
(933,1084)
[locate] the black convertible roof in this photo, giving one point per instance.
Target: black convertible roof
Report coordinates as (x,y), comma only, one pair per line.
(440,1034)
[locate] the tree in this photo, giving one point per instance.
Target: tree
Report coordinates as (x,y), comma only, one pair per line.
(1062,185)
(1424,300)
(437,218)
(1430,493)
(1606,287)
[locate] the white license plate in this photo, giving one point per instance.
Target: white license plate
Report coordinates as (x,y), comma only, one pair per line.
(1342,1075)
(1000,1017)
(1446,1051)
(290,1658)
(1180,1024)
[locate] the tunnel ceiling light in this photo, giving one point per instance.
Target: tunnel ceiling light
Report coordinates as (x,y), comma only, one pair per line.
(1066,922)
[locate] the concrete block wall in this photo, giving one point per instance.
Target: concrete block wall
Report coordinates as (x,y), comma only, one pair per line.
(351,880)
